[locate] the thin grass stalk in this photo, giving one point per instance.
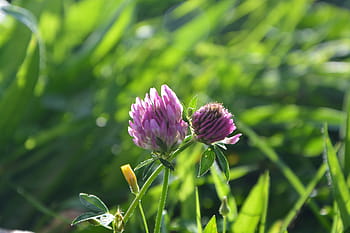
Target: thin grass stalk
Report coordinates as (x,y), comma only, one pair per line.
(297,206)
(198,213)
(144,220)
(224,223)
(347,137)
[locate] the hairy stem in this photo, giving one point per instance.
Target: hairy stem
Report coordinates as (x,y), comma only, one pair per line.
(162,201)
(150,180)
(142,192)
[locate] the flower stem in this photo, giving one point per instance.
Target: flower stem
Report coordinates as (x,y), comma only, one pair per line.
(224,225)
(162,201)
(181,148)
(143,190)
(150,180)
(143,217)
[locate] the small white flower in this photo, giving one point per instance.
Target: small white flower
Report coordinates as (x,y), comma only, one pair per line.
(105,219)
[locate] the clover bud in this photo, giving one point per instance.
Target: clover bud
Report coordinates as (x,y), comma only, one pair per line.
(118,223)
(224,209)
(213,123)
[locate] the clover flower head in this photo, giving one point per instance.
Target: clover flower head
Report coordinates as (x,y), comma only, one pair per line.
(157,122)
(213,123)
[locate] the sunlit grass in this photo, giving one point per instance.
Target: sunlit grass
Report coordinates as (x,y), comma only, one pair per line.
(69,71)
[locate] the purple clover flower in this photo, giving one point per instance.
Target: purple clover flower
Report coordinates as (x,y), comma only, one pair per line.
(157,121)
(213,123)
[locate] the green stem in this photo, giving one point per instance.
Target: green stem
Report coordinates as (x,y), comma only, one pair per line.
(180,149)
(224,225)
(150,180)
(143,217)
(142,192)
(162,201)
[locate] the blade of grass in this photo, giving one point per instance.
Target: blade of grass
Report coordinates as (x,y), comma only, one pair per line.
(347,137)
(211,226)
(266,189)
(340,188)
(198,213)
(28,19)
(253,207)
(277,113)
(238,172)
(297,206)
(114,34)
(16,98)
(15,47)
(185,39)
(94,40)
(337,223)
(286,171)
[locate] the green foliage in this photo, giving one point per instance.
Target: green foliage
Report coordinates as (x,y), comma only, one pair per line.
(207,160)
(212,153)
(99,216)
(223,163)
(93,203)
(301,201)
(69,71)
(191,108)
(340,188)
(211,226)
(254,207)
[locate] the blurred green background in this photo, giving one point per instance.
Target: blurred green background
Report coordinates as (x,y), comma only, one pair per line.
(281,67)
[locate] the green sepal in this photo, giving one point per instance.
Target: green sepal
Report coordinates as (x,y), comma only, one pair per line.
(93,203)
(192,106)
(207,161)
(167,164)
(223,163)
(184,114)
(147,170)
(144,163)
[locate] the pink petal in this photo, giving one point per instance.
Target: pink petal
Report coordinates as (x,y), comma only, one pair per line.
(232,140)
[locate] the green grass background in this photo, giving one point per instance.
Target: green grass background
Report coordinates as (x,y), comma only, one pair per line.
(70,69)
